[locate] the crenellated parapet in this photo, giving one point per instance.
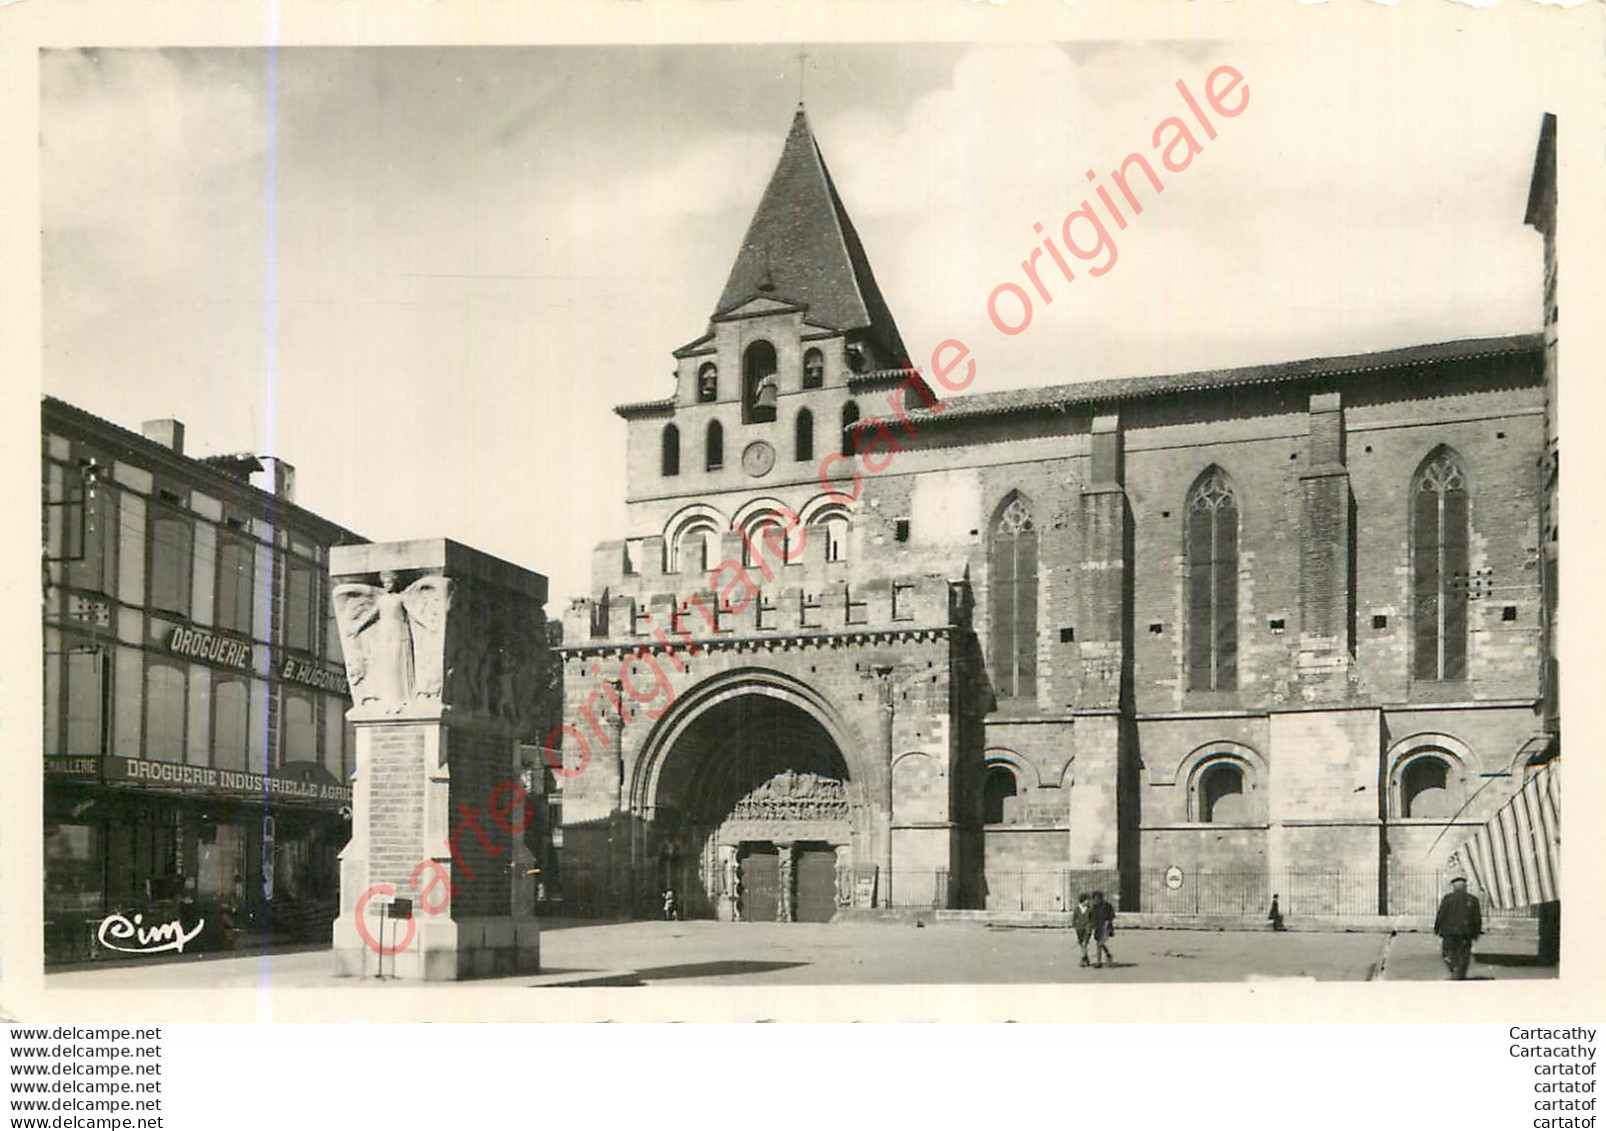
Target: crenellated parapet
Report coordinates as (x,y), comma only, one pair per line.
(797,608)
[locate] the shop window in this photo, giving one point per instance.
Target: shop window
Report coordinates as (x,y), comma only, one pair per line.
(164,712)
(73,873)
(86,701)
(300,734)
(235,561)
(172,563)
(301,608)
(669,456)
(708,383)
(1222,797)
(1212,551)
(230,717)
(1013,559)
(760,389)
(813,369)
(803,436)
(998,796)
(1439,567)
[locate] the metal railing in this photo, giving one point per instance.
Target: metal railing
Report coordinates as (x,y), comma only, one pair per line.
(1302,893)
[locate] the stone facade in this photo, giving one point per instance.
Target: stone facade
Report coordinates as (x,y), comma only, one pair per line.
(1276,628)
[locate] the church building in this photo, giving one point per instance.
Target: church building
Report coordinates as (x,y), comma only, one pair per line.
(1192,639)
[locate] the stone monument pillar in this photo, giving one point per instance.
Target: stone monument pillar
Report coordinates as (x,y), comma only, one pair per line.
(446,651)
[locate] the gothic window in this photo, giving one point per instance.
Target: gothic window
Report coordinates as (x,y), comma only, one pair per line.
(1014,600)
(670,461)
(1212,550)
(804,435)
(759,385)
(813,369)
(1439,568)
(716,446)
(708,383)
(850,418)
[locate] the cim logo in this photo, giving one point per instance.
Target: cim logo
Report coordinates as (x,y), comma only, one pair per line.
(116,929)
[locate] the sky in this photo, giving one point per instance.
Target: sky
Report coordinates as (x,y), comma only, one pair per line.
(424,277)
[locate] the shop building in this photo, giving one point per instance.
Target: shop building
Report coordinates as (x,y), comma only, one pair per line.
(197,758)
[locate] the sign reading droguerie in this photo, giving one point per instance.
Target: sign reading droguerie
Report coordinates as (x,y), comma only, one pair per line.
(202,645)
(206,779)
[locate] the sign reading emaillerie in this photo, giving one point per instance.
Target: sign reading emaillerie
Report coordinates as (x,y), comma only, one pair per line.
(202,645)
(290,785)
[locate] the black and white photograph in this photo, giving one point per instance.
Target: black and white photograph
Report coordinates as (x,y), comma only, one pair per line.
(641,515)
(732,524)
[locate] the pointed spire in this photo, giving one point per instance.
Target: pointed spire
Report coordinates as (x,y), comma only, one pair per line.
(801,246)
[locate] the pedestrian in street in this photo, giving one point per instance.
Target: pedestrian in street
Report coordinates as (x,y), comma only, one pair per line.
(670,913)
(1101,917)
(1082,924)
(1458,923)
(1276,916)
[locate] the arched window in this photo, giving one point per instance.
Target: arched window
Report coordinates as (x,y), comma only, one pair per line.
(708,383)
(1425,788)
(1222,798)
(998,796)
(850,418)
(803,435)
(715,446)
(1212,548)
(759,386)
(762,530)
(1014,604)
(670,461)
(813,369)
(1439,568)
(695,549)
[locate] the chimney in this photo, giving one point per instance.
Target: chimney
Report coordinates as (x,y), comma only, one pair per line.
(280,478)
(169,433)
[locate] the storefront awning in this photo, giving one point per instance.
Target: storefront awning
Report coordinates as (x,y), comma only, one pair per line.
(1516,857)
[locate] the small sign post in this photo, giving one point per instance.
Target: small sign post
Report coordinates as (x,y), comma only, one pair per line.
(401,909)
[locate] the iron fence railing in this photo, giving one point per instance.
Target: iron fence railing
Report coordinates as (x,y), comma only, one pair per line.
(1301,893)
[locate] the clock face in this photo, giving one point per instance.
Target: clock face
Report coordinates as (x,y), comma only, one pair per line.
(758,459)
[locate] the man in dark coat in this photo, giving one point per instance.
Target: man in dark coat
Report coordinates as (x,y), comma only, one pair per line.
(1458,923)
(1101,918)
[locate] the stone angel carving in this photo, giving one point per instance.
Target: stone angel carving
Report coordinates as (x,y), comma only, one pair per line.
(393,641)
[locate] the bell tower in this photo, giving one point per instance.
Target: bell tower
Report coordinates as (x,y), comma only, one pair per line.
(798,329)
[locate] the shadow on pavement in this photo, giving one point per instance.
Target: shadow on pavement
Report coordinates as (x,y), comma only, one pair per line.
(712,969)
